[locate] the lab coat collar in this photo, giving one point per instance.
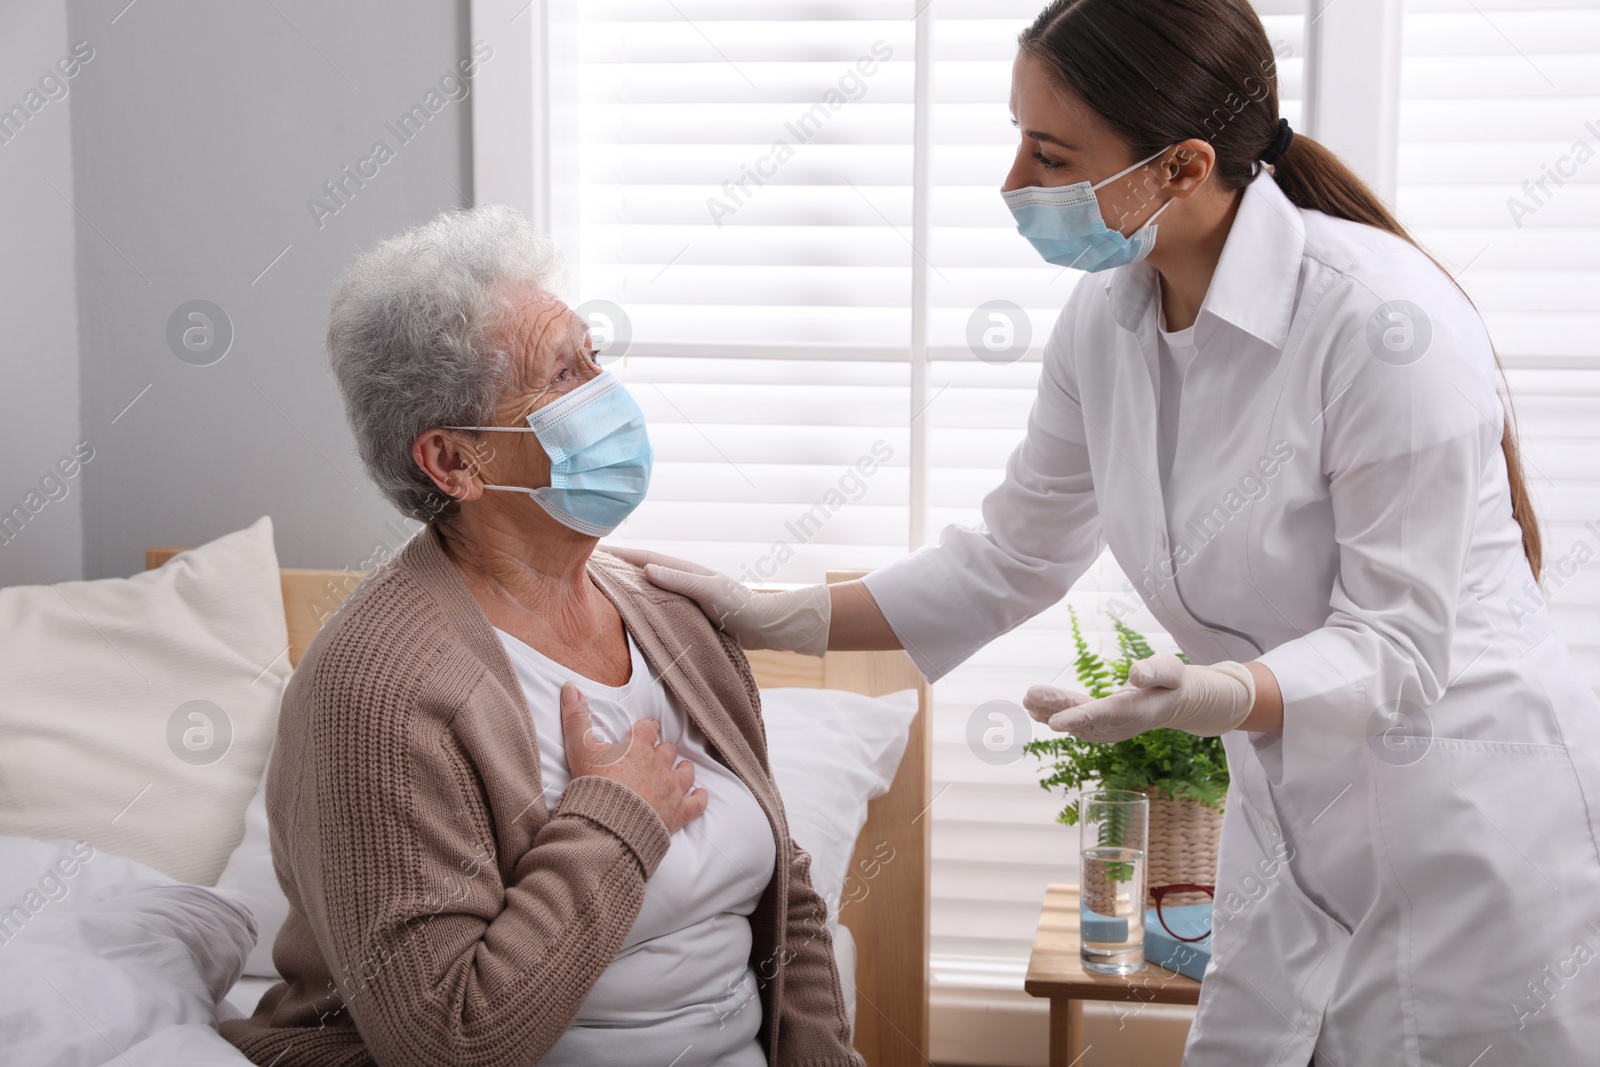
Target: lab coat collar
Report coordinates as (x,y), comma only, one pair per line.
(1256,278)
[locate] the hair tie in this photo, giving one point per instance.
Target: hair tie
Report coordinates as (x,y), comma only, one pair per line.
(1279,145)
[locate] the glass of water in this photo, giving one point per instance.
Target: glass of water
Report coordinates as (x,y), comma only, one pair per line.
(1114,827)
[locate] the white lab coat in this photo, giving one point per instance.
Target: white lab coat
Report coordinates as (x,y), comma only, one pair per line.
(1384,896)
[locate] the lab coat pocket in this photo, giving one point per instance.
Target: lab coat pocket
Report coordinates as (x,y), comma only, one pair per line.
(1488,845)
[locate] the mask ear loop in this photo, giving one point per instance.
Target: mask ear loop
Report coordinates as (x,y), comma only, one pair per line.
(1151,220)
(1129,170)
(500,429)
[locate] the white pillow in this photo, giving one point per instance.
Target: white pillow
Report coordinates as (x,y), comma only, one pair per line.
(250,879)
(831,752)
(844,960)
(137,712)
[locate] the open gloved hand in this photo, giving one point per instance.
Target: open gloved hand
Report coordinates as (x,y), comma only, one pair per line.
(1161,691)
(791,620)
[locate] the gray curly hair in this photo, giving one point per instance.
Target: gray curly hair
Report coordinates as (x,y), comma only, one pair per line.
(416,337)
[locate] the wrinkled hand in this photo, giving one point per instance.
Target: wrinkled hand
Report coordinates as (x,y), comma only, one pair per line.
(793,620)
(641,761)
(1161,691)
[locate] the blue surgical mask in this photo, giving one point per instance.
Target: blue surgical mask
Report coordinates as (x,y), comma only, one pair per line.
(1064,224)
(600,456)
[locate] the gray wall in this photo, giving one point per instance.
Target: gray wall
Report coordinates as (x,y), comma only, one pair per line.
(43,541)
(199,132)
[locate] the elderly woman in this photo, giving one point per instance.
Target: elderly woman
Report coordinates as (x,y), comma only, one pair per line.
(481,870)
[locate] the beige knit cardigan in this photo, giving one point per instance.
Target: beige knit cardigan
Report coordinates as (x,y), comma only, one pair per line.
(439,915)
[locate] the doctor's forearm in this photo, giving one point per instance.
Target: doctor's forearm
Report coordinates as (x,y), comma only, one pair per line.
(857,623)
(1267,715)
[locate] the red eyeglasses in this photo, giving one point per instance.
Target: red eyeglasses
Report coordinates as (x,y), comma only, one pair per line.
(1161,892)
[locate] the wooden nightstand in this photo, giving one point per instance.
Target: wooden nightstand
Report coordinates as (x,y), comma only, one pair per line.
(1055,971)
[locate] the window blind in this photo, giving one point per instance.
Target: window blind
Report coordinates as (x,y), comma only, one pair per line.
(743,193)
(1498,177)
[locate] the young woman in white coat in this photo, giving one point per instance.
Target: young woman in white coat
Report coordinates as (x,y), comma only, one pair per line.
(1283,419)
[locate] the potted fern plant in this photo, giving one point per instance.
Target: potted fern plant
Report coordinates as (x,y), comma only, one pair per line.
(1185,777)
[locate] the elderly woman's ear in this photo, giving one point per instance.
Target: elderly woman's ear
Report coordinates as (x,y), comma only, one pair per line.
(453,462)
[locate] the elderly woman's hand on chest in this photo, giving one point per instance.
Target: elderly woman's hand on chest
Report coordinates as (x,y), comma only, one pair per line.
(641,761)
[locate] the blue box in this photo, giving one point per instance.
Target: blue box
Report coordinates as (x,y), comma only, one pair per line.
(1161,949)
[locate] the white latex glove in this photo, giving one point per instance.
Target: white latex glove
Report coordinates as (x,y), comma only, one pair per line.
(791,620)
(1161,691)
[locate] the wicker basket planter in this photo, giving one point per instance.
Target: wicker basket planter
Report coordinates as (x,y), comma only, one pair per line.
(1099,893)
(1183,845)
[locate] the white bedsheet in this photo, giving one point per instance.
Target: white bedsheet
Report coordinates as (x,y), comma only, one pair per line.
(242,999)
(117,964)
(106,961)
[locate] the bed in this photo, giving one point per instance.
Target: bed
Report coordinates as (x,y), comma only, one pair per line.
(886,903)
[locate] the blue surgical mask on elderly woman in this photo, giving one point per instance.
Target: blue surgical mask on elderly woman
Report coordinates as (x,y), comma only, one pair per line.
(600,456)
(1064,224)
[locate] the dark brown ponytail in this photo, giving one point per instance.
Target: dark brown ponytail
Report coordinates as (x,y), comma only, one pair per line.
(1162,71)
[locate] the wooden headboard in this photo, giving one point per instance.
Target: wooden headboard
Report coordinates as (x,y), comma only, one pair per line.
(886,899)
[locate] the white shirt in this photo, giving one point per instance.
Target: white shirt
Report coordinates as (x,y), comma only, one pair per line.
(1338,510)
(681,985)
(1174,353)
